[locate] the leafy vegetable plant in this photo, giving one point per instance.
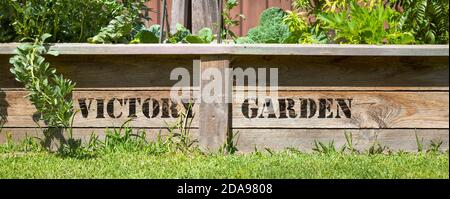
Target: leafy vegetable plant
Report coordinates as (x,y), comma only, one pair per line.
(121,28)
(205,35)
(271,28)
(180,35)
(147,35)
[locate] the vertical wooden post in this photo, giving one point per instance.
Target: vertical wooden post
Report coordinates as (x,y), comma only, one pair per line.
(205,15)
(215,117)
(180,13)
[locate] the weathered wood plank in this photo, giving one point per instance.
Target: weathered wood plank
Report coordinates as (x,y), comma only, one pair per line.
(104,109)
(244,49)
(179,14)
(205,14)
(363,139)
(368,109)
(215,116)
(351,73)
(357,109)
(131,71)
(295,72)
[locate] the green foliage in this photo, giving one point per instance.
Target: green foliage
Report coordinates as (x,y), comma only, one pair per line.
(28,144)
(301,32)
(328,148)
(70,21)
(230,146)
(49,92)
(427,19)
(365,25)
(6,29)
(244,40)
(120,29)
(147,35)
(117,31)
(376,148)
(435,147)
(318,6)
(281,165)
(66,20)
(179,138)
(230,21)
(121,140)
(271,28)
(205,36)
(183,35)
(180,35)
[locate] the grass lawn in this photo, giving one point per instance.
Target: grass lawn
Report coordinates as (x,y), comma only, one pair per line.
(256,165)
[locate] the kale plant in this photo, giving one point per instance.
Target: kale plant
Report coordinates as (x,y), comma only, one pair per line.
(271,28)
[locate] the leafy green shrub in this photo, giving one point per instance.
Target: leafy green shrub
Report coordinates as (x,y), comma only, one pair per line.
(271,28)
(230,21)
(49,92)
(205,36)
(117,31)
(301,31)
(124,26)
(147,35)
(180,35)
(427,19)
(366,25)
(183,35)
(66,20)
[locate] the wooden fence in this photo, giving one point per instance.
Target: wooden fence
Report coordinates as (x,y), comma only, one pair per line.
(251,9)
(384,94)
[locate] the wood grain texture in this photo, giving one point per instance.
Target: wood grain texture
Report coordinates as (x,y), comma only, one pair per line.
(363,139)
(393,93)
(242,49)
(96,71)
(145,108)
(366,109)
(215,116)
(295,72)
(352,73)
(205,14)
(179,14)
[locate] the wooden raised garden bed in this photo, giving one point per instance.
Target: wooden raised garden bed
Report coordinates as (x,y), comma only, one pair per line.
(385,94)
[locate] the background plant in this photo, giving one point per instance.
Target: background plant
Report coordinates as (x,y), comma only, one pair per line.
(301,31)
(230,21)
(366,25)
(66,20)
(427,19)
(125,25)
(270,29)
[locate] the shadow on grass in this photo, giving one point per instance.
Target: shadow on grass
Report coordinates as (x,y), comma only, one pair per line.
(63,146)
